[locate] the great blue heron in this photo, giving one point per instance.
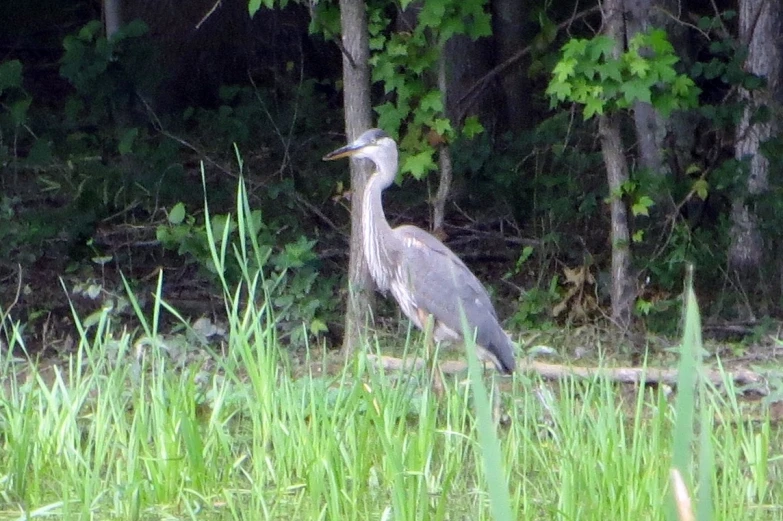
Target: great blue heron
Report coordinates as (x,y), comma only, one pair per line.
(425,277)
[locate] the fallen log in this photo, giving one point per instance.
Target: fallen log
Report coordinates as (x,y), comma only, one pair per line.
(634,375)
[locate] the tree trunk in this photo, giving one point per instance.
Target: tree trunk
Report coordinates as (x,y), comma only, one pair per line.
(759,22)
(664,146)
(112,16)
(509,19)
(444,163)
(623,292)
(467,61)
(650,126)
(356,92)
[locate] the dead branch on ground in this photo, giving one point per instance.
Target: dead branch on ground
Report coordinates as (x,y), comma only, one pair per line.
(632,375)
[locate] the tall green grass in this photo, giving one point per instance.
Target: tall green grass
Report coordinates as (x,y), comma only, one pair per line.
(124,430)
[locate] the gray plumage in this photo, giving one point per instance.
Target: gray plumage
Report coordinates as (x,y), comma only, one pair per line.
(424,276)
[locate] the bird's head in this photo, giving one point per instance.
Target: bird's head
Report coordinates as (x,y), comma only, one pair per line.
(370,145)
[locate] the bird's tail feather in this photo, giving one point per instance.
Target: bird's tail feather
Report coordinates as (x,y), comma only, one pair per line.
(502,350)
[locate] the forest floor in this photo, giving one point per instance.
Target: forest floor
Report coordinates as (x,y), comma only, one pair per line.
(46,311)
(43,299)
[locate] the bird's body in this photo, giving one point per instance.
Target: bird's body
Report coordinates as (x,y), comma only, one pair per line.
(425,277)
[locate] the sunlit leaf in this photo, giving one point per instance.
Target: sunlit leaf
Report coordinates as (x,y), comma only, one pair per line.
(702,188)
(419,164)
(177,213)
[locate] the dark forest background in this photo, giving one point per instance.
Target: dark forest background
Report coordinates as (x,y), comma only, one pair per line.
(108,146)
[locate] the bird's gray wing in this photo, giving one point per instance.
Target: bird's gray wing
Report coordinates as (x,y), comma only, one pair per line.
(438,276)
(440,283)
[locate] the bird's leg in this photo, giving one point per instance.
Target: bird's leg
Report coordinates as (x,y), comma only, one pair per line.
(428,321)
(494,393)
(497,406)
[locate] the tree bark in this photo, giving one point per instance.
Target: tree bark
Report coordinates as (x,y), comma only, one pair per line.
(356,92)
(650,126)
(622,293)
(759,27)
(467,61)
(509,34)
(444,187)
(444,162)
(112,16)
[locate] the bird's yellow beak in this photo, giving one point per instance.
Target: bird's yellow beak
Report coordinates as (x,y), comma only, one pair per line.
(345,151)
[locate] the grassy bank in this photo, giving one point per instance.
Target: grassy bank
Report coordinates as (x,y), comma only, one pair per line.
(124,431)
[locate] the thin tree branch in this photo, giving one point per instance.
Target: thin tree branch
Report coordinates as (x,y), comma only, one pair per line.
(209,13)
(471,96)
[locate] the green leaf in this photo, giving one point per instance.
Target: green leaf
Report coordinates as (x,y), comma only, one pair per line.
(527,251)
(390,117)
(40,153)
(665,103)
(10,74)
(753,82)
(642,206)
(126,141)
(90,29)
(558,91)
(593,106)
(419,164)
(683,86)
(564,69)
(385,72)
(635,90)
(253,6)
(575,48)
(628,187)
(662,72)
(714,69)
(18,110)
(472,127)
(602,46)
(432,102)
(705,23)
(431,14)
(318,326)
(481,27)
(610,71)
(442,126)
(376,44)
(177,213)
(702,188)
(643,306)
(658,40)
(397,47)
(637,65)
(638,236)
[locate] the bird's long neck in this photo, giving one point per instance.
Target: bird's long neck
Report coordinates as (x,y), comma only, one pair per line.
(378,237)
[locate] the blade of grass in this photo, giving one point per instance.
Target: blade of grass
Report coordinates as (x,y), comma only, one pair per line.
(689,387)
(497,486)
